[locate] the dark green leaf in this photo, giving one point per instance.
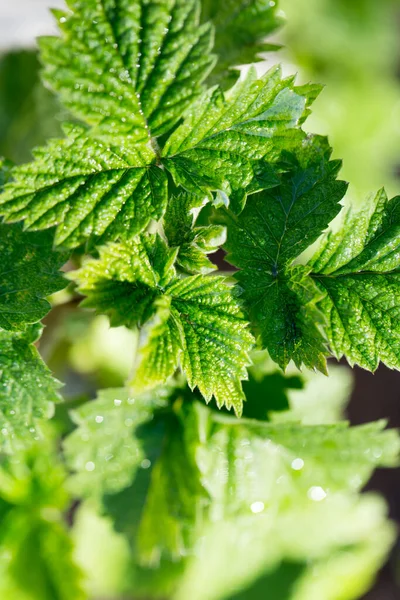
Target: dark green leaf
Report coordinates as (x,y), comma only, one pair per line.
(29,271)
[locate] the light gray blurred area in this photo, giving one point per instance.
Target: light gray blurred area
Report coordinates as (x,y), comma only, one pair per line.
(21,21)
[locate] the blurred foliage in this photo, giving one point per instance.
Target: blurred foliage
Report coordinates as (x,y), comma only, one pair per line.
(351,46)
(28,112)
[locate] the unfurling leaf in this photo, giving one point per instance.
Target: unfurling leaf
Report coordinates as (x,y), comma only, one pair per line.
(194,242)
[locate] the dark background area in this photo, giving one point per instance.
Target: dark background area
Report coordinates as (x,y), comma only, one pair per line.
(377,396)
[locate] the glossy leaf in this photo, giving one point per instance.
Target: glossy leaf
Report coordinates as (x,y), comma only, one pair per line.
(129,68)
(357,269)
(273,229)
(27,389)
(227,142)
(87,188)
(196,320)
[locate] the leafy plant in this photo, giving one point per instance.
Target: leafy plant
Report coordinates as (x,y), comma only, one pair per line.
(170,155)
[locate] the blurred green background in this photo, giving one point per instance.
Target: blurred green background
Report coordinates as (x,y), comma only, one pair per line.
(353,48)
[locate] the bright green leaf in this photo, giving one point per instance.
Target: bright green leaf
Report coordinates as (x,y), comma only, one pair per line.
(194,242)
(357,269)
(195,319)
(227,142)
(36,552)
(87,188)
(329,550)
(277,470)
(27,389)
(130,68)
(104,452)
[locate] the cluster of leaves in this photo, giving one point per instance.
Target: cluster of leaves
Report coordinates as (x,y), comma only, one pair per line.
(170,155)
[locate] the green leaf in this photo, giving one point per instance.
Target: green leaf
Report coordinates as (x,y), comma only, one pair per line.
(194,242)
(329,550)
(5,172)
(110,180)
(227,142)
(29,271)
(203,468)
(128,68)
(87,188)
(159,348)
(36,552)
(197,320)
(241,27)
(104,452)
(27,390)
(357,269)
(274,228)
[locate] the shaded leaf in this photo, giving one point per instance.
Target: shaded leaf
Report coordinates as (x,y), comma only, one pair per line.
(29,271)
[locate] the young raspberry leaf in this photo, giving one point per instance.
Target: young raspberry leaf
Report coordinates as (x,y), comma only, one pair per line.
(241,27)
(159,347)
(228,142)
(129,68)
(29,271)
(331,549)
(87,188)
(273,229)
(27,389)
(194,242)
(358,271)
(196,319)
